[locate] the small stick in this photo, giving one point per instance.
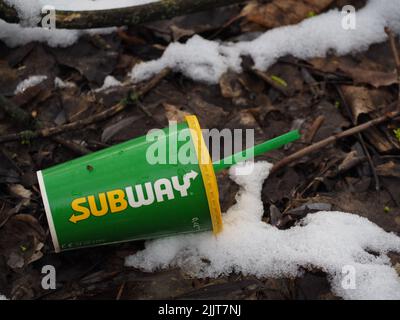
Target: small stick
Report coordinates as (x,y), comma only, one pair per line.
(323,143)
(395,52)
(75,147)
(314,129)
(131,15)
(120,291)
(265,77)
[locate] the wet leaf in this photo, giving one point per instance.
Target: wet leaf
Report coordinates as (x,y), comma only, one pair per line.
(19,191)
(389,169)
(116,128)
(173,113)
(283,12)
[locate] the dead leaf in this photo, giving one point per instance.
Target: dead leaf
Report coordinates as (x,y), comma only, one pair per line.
(115,128)
(8,79)
(19,190)
(389,169)
(173,113)
(362,72)
(210,115)
(21,240)
(283,12)
(230,86)
(363,100)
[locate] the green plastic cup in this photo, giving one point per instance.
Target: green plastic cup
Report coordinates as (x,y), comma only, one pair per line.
(117,194)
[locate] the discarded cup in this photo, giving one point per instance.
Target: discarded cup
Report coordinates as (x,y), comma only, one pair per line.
(117,194)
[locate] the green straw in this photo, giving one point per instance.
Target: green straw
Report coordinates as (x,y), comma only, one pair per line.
(258,150)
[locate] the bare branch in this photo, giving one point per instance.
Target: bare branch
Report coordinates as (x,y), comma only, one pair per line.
(163,9)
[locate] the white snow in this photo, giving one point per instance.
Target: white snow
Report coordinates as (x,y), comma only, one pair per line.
(109,82)
(205,60)
(2,297)
(61,84)
(331,241)
(32,8)
(83,5)
(14,35)
(29,82)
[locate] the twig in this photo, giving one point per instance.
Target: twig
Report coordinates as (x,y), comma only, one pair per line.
(75,147)
(323,143)
(265,77)
(21,117)
(120,291)
(395,52)
(134,15)
(309,137)
(47,132)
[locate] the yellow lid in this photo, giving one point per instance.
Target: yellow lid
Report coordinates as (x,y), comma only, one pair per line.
(207,172)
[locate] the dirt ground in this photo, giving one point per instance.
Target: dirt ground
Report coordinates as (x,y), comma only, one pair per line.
(320,97)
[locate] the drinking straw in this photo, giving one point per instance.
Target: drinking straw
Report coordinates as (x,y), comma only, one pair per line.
(257,150)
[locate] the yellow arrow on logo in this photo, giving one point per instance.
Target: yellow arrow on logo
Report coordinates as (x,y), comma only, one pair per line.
(76,206)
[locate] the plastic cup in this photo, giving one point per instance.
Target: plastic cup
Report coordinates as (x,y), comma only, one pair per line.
(117,194)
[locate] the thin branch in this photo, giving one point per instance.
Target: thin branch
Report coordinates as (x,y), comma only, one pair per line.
(48,132)
(134,15)
(395,52)
(323,143)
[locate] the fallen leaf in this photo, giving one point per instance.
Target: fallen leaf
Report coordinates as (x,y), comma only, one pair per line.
(230,85)
(173,113)
(116,128)
(362,72)
(19,190)
(389,169)
(283,12)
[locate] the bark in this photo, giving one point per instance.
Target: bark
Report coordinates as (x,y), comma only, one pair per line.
(161,10)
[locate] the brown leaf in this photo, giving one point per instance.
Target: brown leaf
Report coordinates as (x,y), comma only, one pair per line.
(283,12)
(8,79)
(389,169)
(359,100)
(111,131)
(19,191)
(374,78)
(210,115)
(21,240)
(173,113)
(362,100)
(364,72)
(230,86)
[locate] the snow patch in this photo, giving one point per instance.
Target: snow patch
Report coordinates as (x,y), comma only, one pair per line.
(15,35)
(84,5)
(2,297)
(206,61)
(330,241)
(61,84)
(29,82)
(109,82)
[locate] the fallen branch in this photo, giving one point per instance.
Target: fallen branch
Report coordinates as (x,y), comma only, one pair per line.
(134,15)
(395,52)
(323,143)
(48,132)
